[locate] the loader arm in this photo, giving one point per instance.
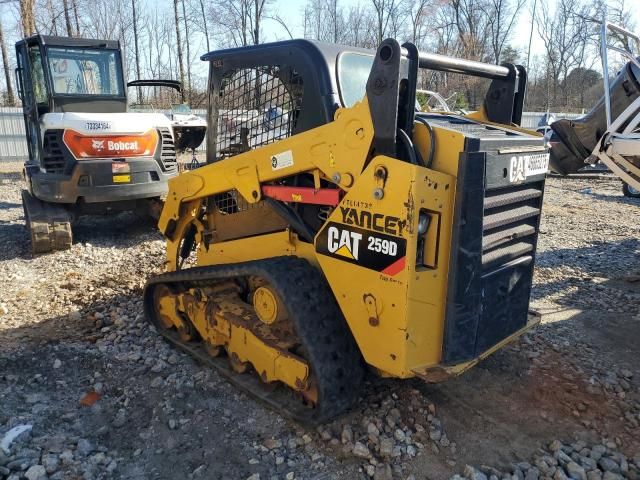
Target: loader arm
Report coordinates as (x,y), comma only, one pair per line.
(338,150)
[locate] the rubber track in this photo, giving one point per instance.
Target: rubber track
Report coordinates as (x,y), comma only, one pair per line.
(331,350)
(49,225)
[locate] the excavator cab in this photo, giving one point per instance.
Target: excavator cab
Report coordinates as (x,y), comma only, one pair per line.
(336,227)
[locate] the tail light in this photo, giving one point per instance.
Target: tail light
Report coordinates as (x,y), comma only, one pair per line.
(108,146)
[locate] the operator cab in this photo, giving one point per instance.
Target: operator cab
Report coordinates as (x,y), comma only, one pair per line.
(59,74)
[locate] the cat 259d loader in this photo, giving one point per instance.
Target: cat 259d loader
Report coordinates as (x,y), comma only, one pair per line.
(87,154)
(334,226)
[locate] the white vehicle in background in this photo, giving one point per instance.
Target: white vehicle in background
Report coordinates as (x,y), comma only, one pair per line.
(579,141)
(87,153)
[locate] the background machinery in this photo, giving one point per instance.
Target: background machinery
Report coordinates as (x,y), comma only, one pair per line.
(610,132)
(188,128)
(335,227)
(87,154)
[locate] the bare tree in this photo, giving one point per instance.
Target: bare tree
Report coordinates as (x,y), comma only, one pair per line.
(5,64)
(67,18)
(385,11)
(501,18)
(419,14)
(136,45)
(179,46)
(74,4)
(26,15)
(187,42)
(204,25)
(240,21)
(565,34)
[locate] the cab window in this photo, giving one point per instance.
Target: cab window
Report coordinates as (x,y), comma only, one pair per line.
(37,74)
(353,72)
(85,71)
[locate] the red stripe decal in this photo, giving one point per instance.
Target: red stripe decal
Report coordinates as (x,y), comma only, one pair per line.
(323,196)
(395,268)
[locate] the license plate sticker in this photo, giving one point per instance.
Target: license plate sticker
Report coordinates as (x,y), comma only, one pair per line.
(122,178)
(522,167)
(120,167)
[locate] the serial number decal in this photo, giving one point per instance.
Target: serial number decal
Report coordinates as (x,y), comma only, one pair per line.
(523,166)
(98,126)
(358,204)
(376,251)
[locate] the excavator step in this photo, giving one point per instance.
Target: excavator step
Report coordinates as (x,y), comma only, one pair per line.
(329,348)
(49,225)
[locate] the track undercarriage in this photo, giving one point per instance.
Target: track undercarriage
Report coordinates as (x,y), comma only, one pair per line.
(49,225)
(240,312)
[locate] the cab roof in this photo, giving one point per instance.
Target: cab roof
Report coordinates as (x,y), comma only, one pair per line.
(54,41)
(326,53)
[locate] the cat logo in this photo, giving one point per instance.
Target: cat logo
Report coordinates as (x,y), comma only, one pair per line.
(518,170)
(344,243)
(97,145)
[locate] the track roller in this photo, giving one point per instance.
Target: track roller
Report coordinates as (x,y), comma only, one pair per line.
(49,225)
(274,318)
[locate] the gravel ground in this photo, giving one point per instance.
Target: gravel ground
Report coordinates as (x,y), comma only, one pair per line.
(105,397)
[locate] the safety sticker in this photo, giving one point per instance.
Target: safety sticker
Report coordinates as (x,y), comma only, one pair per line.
(375,251)
(122,179)
(282,160)
(120,167)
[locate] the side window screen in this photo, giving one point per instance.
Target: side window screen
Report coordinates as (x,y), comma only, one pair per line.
(255,107)
(353,73)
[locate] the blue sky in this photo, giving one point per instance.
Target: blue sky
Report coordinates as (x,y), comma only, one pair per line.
(291,12)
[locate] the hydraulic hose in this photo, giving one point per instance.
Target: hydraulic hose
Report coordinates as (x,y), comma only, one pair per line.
(432,138)
(408,145)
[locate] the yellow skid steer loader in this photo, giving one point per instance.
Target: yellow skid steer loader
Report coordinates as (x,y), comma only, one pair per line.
(335,227)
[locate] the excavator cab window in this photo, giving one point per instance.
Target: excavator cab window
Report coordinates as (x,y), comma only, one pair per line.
(37,75)
(76,71)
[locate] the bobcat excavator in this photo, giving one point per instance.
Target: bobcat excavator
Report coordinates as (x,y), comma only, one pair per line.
(335,227)
(87,154)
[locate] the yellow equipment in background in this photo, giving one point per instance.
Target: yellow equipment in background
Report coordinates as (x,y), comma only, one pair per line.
(334,226)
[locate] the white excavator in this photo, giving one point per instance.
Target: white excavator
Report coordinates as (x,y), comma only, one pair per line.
(610,132)
(87,153)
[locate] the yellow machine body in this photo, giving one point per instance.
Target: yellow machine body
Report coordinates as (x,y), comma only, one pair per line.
(428,253)
(397,319)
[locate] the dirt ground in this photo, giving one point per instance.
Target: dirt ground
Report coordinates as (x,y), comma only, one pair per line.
(71,324)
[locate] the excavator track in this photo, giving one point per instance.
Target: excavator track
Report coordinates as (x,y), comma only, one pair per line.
(49,225)
(328,346)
